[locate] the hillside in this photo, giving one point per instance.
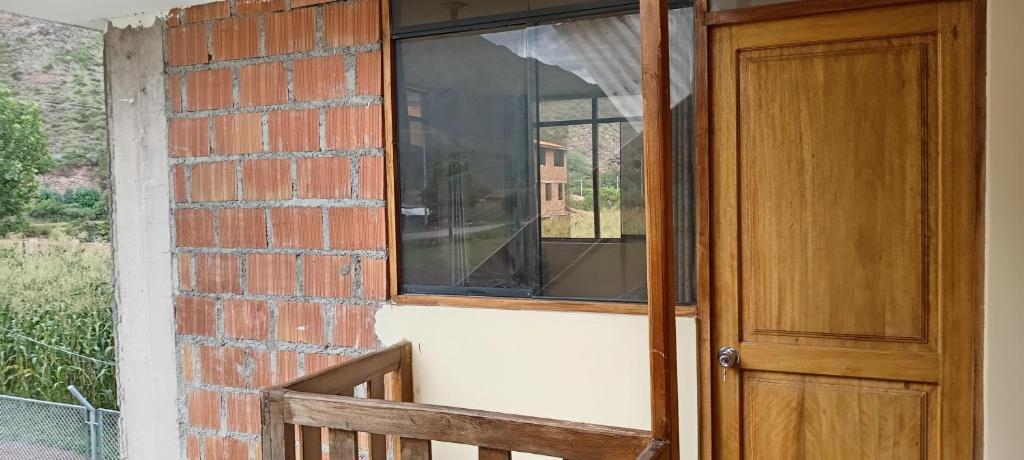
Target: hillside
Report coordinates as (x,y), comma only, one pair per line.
(60,68)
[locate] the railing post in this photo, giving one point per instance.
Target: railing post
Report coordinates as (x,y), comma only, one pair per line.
(658,204)
(91,421)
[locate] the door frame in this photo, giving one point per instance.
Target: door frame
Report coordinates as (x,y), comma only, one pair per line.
(704,21)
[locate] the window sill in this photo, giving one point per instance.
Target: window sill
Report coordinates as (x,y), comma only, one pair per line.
(687,311)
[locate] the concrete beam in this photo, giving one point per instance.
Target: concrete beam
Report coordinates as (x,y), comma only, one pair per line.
(140,181)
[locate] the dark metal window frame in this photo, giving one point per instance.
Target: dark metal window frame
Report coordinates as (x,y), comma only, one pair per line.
(524,18)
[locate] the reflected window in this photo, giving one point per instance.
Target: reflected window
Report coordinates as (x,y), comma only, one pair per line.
(520,157)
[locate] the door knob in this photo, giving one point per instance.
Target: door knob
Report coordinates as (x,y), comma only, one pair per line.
(728,357)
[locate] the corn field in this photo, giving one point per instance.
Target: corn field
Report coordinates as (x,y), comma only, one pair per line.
(56,326)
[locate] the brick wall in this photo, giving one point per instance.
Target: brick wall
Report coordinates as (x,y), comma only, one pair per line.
(277,171)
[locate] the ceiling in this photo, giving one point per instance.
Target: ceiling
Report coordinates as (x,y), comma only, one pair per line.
(90,13)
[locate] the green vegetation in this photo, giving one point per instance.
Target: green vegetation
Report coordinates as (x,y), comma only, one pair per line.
(80,213)
(23,156)
(56,326)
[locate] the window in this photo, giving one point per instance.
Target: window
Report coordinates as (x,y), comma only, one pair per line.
(497,98)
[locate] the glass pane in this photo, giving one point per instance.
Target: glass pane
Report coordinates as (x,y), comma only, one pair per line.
(521,160)
(717,5)
(572,218)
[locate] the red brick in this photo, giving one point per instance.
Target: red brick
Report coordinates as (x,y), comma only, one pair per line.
(263,371)
(272,274)
(368,73)
(214,181)
(353,326)
(287,366)
(188,361)
(189,137)
(246,319)
(185,272)
(174,17)
(218,273)
(258,6)
(267,179)
(243,228)
(371,178)
(323,177)
(263,84)
(193,228)
(375,278)
(187,45)
(297,228)
(355,22)
(207,12)
(290,32)
(300,322)
(327,276)
(180,194)
(238,133)
(355,127)
(320,78)
(204,409)
(294,131)
(217,448)
(236,38)
(317,362)
(224,366)
(209,89)
(357,228)
(174,92)
(243,413)
(301,3)
(197,316)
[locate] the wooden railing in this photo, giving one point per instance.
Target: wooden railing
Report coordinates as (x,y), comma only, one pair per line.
(298,411)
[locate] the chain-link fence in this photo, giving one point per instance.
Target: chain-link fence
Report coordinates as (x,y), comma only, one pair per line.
(41,430)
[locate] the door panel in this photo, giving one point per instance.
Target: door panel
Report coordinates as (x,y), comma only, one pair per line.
(793,417)
(834,151)
(843,194)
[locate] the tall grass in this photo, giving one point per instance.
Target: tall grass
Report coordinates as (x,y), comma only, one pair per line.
(56,326)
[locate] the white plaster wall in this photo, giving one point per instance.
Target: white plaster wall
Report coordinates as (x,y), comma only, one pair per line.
(1004,267)
(570,366)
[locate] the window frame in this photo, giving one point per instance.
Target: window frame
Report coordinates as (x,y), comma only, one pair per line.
(597,8)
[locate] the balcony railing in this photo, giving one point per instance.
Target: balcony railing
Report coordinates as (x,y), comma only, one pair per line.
(390,421)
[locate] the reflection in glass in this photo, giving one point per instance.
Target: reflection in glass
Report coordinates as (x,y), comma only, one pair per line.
(521,160)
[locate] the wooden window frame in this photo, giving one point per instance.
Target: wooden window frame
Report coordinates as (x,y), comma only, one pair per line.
(465,301)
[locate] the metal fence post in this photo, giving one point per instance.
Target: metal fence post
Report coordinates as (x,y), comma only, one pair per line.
(92,419)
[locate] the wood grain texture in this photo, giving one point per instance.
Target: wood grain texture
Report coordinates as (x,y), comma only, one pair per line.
(416,449)
(832,198)
(844,225)
(343,377)
(702,203)
(792,416)
(658,207)
(464,426)
(498,303)
(493,454)
(343,445)
(311,442)
(793,9)
(378,442)
(658,449)
(390,147)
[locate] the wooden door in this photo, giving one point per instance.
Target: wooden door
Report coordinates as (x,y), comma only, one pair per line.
(843,242)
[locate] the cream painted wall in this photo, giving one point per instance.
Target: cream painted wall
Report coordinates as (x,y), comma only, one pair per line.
(1004,267)
(570,366)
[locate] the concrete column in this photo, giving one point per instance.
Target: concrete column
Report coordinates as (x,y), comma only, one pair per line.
(140,181)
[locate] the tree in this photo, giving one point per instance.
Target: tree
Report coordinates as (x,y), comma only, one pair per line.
(23,156)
